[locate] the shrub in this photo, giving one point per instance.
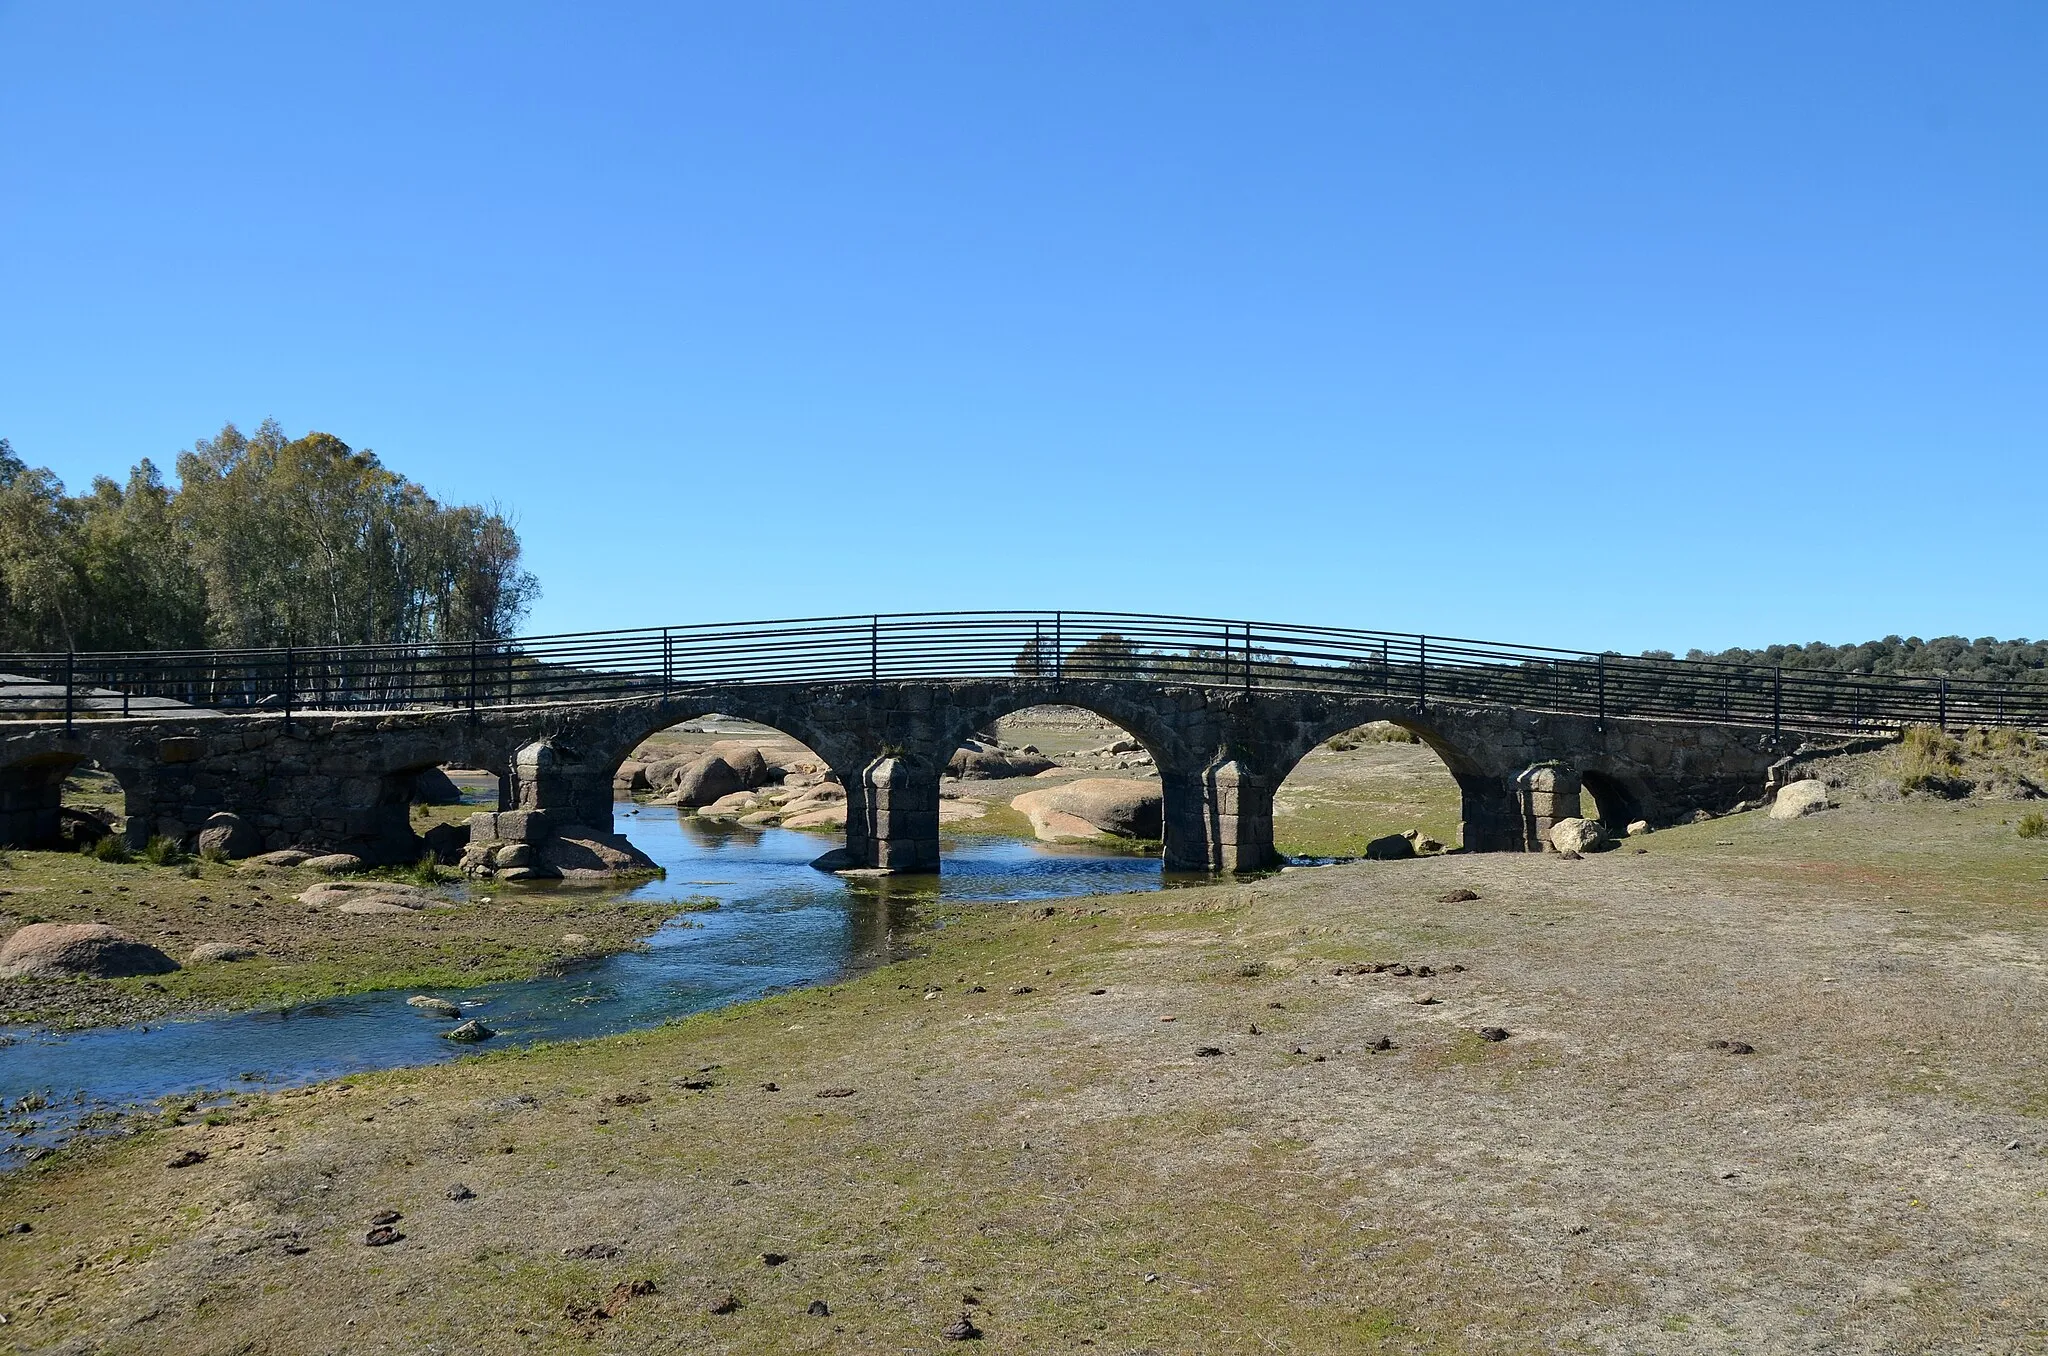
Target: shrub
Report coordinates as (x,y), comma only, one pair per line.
(163,851)
(425,871)
(2033,824)
(1929,761)
(112,848)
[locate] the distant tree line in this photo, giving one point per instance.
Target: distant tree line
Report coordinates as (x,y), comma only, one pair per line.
(1982,660)
(265,541)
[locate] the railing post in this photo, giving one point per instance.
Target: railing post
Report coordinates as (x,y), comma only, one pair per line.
(472,679)
(1421,674)
(1777,699)
(668,662)
(874,649)
(290,677)
(1386,673)
(1603,691)
(1059,649)
(1247,656)
(70,677)
(1941,709)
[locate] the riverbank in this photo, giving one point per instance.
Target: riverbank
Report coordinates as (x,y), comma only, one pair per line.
(302,952)
(1166,1121)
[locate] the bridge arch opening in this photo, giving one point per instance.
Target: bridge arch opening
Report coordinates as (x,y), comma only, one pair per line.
(60,801)
(1059,775)
(1609,800)
(1364,785)
(423,809)
(725,776)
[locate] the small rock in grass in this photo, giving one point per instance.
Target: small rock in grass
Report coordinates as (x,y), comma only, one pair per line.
(221,951)
(1097,993)
(1383,1043)
(470,1031)
(187,1159)
(774,1259)
(386,1217)
(725,1304)
(1020,989)
(439,1007)
(1428,1000)
(819,1309)
(460,1192)
(833,1092)
(383,1236)
(961,1330)
(334,864)
(1207,1052)
(1493,1033)
(1733,1047)
(771,1087)
(591,1252)
(1457,897)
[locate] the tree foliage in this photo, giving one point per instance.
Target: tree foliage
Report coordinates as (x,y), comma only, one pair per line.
(1981,660)
(266,540)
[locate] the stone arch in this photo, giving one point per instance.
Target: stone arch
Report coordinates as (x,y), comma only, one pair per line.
(1620,799)
(1490,820)
(32,797)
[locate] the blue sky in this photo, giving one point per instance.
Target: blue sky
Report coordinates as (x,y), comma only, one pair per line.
(1595,325)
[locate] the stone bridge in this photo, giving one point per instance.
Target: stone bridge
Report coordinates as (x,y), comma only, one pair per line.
(342,781)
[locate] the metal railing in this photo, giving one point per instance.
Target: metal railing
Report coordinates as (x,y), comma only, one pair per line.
(1411,671)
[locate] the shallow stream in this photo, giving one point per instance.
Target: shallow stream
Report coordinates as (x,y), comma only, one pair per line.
(779,924)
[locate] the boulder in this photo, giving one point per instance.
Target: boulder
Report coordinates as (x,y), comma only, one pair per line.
(512,854)
(631,777)
(220,951)
(470,1032)
(1395,847)
(447,842)
(439,1007)
(65,950)
(228,836)
(705,780)
(1799,798)
(838,859)
(366,897)
(746,763)
(1578,835)
(79,829)
(1092,807)
(285,857)
(1638,828)
(432,786)
(579,853)
(974,761)
(334,864)
(661,772)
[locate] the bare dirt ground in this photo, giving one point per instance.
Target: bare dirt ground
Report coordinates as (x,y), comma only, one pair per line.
(1164,1123)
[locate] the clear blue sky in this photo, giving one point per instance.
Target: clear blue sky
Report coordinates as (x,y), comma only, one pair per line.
(1600,325)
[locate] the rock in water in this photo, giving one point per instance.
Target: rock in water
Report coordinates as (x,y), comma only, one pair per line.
(440,1007)
(1799,798)
(1092,807)
(469,1032)
(1578,835)
(65,950)
(705,781)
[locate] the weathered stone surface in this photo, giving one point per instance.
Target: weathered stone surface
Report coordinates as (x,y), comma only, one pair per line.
(334,864)
(578,853)
(1092,807)
(705,781)
(1578,835)
(228,836)
(1394,847)
(1799,798)
(66,950)
(439,1007)
(432,786)
(370,896)
(220,951)
(974,761)
(286,857)
(1638,828)
(469,1032)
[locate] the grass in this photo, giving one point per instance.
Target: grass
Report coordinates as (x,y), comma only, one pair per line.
(1065,1157)
(2033,825)
(302,954)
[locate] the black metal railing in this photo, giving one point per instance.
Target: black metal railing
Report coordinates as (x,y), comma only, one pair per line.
(1412,671)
